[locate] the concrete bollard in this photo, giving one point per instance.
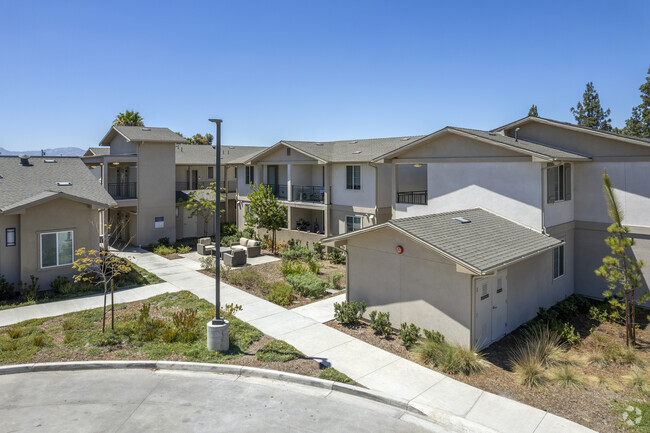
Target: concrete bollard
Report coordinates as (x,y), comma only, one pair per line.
(218,336)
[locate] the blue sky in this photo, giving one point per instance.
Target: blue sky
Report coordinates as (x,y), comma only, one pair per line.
(309,70)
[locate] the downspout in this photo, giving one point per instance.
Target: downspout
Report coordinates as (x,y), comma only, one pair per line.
(542,207)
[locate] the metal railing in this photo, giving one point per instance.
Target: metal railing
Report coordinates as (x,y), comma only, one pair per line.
(232,186)
(122,191)
(310,194)
(202,184)
(412,197)
(280,191)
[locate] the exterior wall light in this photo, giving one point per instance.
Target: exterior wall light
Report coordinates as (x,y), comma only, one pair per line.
(417,165)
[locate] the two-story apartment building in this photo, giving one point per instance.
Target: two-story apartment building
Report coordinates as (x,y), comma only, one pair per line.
(488,226)
(329,188)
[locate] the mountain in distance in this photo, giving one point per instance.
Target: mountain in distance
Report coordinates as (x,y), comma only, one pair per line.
(59,151)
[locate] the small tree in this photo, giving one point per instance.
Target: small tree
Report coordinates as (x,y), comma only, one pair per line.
(100,267)
(128,118)
(533,111)
(590,113)
(201,139)
(265,211)
(202,203)
(621,270)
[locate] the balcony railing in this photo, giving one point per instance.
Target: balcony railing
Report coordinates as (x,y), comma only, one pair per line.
(412,197)
(232,186)
(185,186)
(310,194)
(123,191)
(280,191)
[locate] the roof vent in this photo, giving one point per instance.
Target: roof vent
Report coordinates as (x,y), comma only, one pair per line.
(64,184)
(356,152)
(49,161)
(354,142)
(462,220)
(24,160)
(318,144)
(406,138)
(0,176)
(145,129)
(493,134)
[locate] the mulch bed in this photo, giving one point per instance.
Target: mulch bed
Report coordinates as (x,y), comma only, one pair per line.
(590,406)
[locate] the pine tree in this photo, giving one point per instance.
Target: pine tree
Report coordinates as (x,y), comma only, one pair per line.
(639,123)
(533,111)
(590,113)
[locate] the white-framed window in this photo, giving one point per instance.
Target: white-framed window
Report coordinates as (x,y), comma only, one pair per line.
(57,249)
(558,262)
(250,175)
(210,172)
(558,183)
(353,177)
(352,223)
(10,237)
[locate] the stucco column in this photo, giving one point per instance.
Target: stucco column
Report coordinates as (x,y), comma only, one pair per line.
(289,192)
(289,217)
(394,187)
(326,221)
(327,187)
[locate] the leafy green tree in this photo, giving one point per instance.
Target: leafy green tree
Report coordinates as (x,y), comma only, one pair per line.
(639,123)
(201,139)
(202,203)
(590,113)
(265,211)
(620,269)
(128,118)
(533,111)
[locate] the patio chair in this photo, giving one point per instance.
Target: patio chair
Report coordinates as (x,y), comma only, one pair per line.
(200,247)
(236,258)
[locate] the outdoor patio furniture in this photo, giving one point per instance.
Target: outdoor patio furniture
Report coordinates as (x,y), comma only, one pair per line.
(250,246)
(234,258)
(201,246)
(224,250)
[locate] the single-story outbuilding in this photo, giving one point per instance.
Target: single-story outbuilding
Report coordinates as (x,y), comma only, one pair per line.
(470,274)
(48,208)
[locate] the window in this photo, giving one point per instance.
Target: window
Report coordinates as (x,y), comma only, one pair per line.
(353,177)
(250,175)
(210,172)
(558,262)
(57,249)
(558,183)
(288,151)
(10,236)
(352,223)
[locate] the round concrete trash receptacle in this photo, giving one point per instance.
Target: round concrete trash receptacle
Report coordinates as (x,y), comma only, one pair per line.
(218,336)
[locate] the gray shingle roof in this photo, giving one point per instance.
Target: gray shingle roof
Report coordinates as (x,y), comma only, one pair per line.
(98,151)
(526,146)
(23,186)
(187,154)
(147,133)
(486,243)
(360,150)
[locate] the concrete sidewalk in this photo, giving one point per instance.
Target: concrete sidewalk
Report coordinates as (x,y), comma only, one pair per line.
(446,400)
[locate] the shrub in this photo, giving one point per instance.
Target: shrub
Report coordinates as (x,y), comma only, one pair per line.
(637,379)
(183,249)
(164,241)
(297,252)
(319,249)
(15,333)
(29,291)
(59,282)
(66,325)
(185,320)
(280,293)
(336,257)
(170,334)
(228,229)
(335,280)
(207,262)
(568,377)
(380,323)
(314,267)
(538,348)
(307,285)
(349,313)
(434,336)
(6,289)
(330,373)
(227,240)
(246,277)
(39,341)
(409,334)
(164,250)
(229,310)
(450,358)
(290,267)
(278,351)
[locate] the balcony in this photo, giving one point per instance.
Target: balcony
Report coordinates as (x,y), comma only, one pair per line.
(187,186)
(412,197)
(123,191)
(308,194)
(280,191)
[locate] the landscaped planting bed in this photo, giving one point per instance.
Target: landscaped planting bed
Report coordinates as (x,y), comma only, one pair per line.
(591,381)
(165,327)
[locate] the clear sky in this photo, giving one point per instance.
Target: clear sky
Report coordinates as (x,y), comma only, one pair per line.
(308,70)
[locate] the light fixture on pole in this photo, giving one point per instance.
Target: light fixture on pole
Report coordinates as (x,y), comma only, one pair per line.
(218,328)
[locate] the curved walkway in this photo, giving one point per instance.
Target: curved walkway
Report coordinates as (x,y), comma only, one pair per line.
(449,402)
(137,400)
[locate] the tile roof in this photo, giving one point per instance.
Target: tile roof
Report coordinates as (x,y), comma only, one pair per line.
(205,155)
(23,186)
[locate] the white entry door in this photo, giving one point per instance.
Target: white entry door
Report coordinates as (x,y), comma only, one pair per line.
(491,313)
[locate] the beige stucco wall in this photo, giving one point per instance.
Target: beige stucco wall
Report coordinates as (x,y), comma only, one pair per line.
(364,197)
(56,215)
(417,286)
(338,215)
(10,256)
(119,146)
(156,192)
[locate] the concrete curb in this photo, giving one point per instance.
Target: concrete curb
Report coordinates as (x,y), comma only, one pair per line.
(456,423)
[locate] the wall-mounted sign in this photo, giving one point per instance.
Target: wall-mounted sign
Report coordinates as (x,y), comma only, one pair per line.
(159,222)
(399,249)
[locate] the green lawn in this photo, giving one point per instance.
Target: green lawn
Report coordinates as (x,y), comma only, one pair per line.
(168,326)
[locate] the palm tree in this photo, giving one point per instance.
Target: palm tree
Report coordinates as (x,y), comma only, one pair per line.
(128,118)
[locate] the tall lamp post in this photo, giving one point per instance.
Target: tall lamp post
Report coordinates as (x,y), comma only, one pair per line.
(218,328)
